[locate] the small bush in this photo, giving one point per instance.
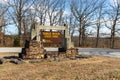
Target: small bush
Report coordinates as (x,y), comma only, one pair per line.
(16,42)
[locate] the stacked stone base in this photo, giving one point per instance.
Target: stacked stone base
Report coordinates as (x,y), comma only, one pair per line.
(70,53)
(35,51)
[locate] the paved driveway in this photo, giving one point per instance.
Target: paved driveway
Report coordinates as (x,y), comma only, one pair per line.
(100,51)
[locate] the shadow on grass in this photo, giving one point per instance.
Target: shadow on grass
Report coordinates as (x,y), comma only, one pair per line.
(11,57)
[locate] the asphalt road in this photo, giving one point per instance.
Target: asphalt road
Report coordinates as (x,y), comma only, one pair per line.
(100,51)
(88,51)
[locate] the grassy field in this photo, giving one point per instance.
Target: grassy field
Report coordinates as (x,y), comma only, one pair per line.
(94,68)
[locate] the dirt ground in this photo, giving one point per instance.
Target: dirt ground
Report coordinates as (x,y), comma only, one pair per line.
(8,54)
(94,68)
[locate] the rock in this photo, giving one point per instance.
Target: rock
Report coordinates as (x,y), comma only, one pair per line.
(2,60)
(83,56)
(35,61)
(17,61)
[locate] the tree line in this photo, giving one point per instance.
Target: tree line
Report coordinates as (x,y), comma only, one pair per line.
(79,15)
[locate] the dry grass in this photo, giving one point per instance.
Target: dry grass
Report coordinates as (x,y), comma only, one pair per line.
(95,68)
(8,54)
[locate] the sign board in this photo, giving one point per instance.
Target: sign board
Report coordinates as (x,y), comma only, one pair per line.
(49,37)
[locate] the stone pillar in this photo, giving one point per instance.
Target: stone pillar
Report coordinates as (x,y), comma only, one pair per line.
(37,33)
(68,39)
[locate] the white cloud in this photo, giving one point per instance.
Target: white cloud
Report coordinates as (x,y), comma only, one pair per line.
(114,2)
(4,1)
(67,12)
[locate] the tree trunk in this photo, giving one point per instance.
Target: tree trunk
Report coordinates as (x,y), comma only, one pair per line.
(79,39)
(80,36)
(98,32)
(113,33)
(83,35)
(41,18)
(112,38)
(19,33)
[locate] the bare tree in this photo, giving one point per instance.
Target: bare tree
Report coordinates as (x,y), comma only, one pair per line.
(83,10)
(113,14)
(72,23)
(99,16)
(55,11)
(40,7)
(3,21)
(17,11)
(3,10)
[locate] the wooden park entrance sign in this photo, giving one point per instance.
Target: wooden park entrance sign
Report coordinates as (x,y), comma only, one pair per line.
(52,37)
(41,35)
(49,37)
